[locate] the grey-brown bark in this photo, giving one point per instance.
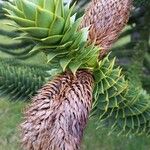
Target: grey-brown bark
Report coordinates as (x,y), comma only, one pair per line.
(58,114)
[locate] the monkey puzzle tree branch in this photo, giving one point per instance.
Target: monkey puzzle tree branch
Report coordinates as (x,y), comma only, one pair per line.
(58,115)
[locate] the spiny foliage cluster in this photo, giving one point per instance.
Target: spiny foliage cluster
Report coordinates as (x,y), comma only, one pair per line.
(56,35)
(119,105)
(19,49)
(116,102)
(19,80)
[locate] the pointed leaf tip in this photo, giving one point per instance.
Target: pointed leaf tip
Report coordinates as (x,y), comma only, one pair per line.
(64,62)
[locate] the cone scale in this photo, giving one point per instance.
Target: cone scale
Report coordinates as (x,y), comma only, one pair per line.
(106,19)
(58,114)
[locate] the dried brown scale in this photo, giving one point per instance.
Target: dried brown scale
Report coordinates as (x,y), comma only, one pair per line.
(106,19)
(58,114)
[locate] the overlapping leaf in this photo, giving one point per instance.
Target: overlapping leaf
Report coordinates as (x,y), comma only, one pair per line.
(119,105)
(54,28)
(20,81)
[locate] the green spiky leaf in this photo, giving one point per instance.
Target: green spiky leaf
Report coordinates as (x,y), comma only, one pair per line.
(53,27)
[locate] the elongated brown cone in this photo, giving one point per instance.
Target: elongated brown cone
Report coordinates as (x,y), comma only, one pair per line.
(106,19)
(58,114)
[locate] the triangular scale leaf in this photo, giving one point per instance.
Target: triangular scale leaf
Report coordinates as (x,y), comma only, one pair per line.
(29,9)
(18,3)
(71,30)
(14,9)
(41,3)
(68,13)
(58,8)
(49,5)
(64,62)
(23,22)
(51,56)
(57,26)
(52,39)
(74,66)
(43,18)
(36,48)
(36,31)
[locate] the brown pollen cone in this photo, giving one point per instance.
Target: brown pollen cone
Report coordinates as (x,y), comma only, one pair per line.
(58,114)
(106,19)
